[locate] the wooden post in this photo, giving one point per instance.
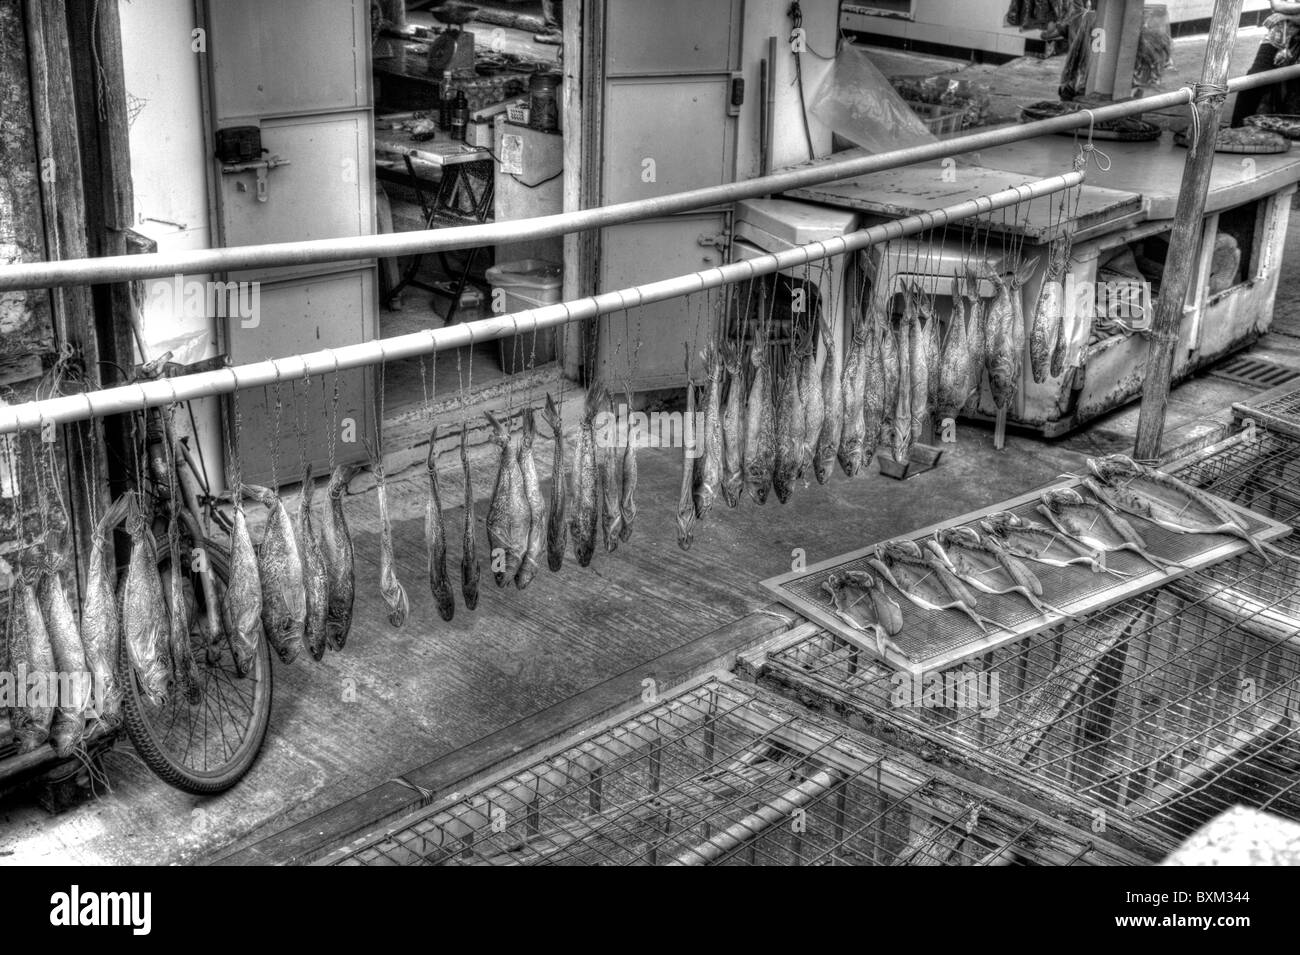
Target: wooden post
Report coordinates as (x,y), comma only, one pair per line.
(1185,241)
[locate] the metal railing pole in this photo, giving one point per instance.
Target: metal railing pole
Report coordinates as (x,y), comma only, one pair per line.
(123,268)
(125,398)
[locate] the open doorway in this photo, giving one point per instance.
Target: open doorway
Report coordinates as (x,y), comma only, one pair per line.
(467,130)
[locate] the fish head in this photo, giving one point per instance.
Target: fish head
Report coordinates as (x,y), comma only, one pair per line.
(1114,467)
(1059,498)
(900,549)
(962,535)
(1000,522)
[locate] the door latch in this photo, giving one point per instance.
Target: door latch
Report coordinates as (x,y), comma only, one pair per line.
(718,240)
(737,97)
(261,167)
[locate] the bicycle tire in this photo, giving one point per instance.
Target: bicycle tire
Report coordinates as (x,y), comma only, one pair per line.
(148,739)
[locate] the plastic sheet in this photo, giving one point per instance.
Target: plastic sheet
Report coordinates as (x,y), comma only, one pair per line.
(858,102)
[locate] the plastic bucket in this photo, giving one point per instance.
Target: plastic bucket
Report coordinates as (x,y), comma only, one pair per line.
(516,287)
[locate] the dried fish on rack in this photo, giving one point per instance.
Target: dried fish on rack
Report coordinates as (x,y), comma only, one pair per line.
(243,600)
(435,537)
(315,573)
(1005,328)
(759,453)
(861,388)
(932,351)
(557,528)
(1041,544)
(988,566)
(861,602)
(1162,499)
(279,568)
(827,447)
(586,495)
(1096,526)
(956,360)
(508,517)
(28,651)
(901,432)
(536,505)
(184,668)
(733,427)
(336,545)
(814,405)
(789,427)
(920,364)
(709,482)
(925,582)
(101,624)
(976,332)
(469,563)
(686,496)
(628,475)
(144,611)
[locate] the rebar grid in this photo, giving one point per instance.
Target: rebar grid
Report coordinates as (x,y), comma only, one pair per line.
(718,776)
(1165,708)
(1277,409)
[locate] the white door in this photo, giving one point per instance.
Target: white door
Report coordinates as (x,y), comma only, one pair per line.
(300,71)
(668,124)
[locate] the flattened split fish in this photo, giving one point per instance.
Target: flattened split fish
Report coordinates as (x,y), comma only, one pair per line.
(860,601)
(469,563)
(435,537)
(926,583)
(733,427)
(315,573)
(1095,526)
(1041,544)
(988,567)
(101,625)
(279,567)
(336,544)
(557,529)
(759,452)
(536,543)
(508,518)
(144,612)
(243,598)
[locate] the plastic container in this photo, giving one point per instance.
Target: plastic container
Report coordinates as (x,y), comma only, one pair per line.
(525,284)
(543,104)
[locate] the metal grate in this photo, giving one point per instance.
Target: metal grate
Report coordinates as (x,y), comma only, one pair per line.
(1161,710)
(728,774)
(1254,372)
(1277,409)
(932,640)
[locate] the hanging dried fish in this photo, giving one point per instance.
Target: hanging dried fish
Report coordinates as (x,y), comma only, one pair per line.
(627,499)
(469,563)
(184,669)
(243,598)
(932,353)
(74,689)
(733,427)
(536,541)
(892,355)
(144,612)
(710,476)
(955,362)
(759,452)
(29,651)
(336,544)
(1049,312)
(814,406)
(435,537)
(508,519)
(790,422)
(1006,342)
(315,574)
(901,437)
(101,625)
(390,588)
(976,331)
(861,385)
(585,521)
(832,396)
(557,528)
(920,368)
(611,511)
(279,567)
(686,497)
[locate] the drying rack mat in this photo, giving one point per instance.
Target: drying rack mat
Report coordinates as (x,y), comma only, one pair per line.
(933,640)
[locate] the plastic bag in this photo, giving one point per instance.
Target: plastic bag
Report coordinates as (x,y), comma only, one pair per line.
(857,101)
(1074,74)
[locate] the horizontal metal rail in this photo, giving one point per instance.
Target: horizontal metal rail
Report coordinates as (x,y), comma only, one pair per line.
(125,398)
(123,268)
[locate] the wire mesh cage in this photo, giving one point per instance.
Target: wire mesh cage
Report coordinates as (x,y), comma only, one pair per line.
(1161,710)
(728,774)
(1277,409)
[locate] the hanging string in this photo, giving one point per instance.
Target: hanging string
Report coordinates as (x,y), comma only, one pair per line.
(1212,93)
(1089,148)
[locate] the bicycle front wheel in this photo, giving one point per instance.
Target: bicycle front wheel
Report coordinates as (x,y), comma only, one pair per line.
(208,746)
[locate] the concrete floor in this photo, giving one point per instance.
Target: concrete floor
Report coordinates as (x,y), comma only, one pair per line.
(432,688)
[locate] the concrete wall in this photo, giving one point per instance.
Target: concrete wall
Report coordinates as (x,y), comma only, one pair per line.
(169,167)
(764,18)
